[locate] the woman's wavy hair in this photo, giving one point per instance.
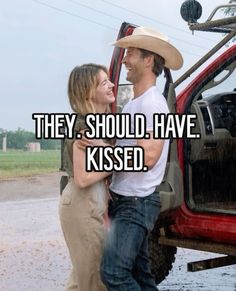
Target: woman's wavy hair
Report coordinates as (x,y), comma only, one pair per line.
(82,85)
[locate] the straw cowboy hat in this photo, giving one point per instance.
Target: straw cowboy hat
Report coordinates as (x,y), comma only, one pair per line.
(154,41)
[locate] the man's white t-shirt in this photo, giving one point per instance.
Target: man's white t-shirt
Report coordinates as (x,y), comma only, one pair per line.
(141,184)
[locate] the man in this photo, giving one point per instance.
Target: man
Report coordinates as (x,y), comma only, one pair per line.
(135,205)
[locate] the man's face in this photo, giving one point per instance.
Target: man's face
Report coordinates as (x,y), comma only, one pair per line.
(135,65)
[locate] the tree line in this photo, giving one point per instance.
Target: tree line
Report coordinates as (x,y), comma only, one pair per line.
(19,138)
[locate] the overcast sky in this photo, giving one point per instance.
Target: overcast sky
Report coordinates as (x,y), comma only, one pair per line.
(43,40)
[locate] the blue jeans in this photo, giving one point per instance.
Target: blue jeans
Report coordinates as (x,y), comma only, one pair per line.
(125,263)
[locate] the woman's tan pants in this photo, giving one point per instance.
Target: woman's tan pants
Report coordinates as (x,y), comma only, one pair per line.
(81,215)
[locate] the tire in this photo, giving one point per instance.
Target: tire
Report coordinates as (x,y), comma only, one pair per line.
(162,257)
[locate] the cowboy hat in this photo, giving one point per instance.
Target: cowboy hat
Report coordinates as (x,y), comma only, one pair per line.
(154,41)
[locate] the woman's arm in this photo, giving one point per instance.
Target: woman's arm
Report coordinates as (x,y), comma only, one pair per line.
(82,178)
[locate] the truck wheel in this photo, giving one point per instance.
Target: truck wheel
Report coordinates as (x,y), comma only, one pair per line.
(162,257)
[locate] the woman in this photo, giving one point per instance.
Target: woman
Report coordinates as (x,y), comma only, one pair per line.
(83,201)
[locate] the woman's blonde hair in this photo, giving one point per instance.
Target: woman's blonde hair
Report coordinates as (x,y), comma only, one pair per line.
(82,85)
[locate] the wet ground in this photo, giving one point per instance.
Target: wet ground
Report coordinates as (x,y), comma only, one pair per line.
(33,255)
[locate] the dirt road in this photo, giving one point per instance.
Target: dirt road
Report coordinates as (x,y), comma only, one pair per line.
(33,255)
(32,187)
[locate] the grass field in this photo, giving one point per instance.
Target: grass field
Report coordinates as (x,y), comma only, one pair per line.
(20,163)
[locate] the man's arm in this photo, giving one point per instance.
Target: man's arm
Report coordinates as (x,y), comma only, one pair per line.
(152,149)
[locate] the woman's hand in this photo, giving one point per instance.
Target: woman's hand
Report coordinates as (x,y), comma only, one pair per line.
(85,142)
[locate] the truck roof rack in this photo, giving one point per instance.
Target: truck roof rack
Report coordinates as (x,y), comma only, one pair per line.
(224,25)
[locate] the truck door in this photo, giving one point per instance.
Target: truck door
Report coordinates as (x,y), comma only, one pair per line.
(209,163)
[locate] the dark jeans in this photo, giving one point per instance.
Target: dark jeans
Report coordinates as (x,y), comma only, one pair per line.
(125,264)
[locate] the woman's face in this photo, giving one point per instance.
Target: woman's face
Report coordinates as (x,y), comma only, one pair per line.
(104,94)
